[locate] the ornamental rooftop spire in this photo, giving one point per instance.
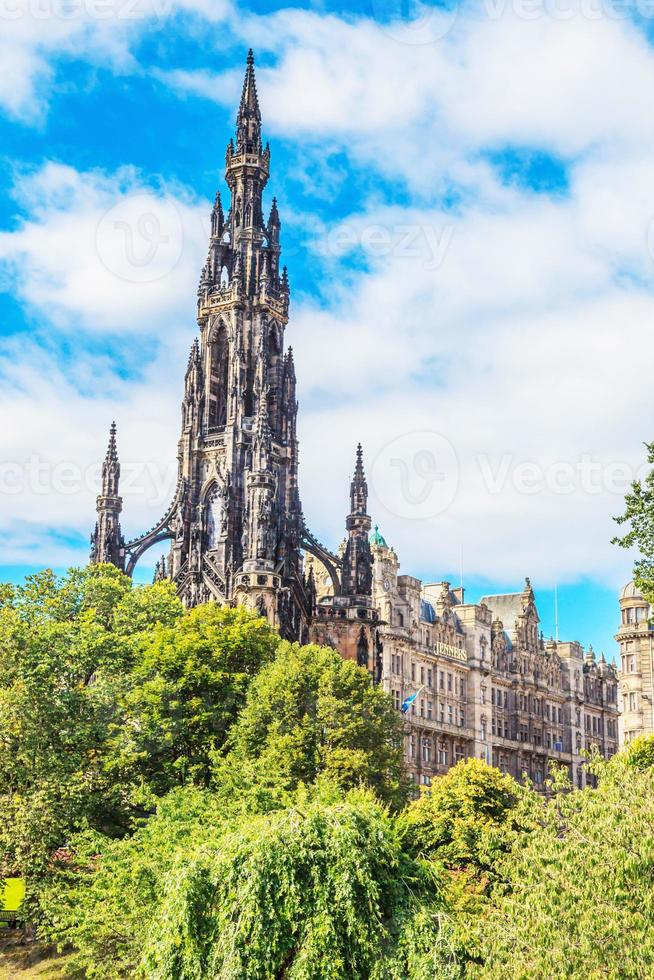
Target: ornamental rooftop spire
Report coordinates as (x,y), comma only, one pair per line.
(248,122)
(359,487)
(111,466)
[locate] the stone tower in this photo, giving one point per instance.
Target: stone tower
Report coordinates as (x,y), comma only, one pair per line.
(235,523)
(107,543)
(636,640)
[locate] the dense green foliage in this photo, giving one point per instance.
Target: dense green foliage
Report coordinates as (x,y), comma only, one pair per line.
(639,516)
(311,714)
(61,646)
(463,819)
(192,799)
(577,898)
(184,693)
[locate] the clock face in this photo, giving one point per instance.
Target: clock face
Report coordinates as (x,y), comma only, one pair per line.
(387,584)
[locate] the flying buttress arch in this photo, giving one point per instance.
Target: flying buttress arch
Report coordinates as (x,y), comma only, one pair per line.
(331,561)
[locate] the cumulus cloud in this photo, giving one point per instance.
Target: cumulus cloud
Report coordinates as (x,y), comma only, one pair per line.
(108,250)
(36,34)
(489,344)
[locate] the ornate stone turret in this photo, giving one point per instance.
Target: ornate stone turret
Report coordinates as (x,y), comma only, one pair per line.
(107,543)
(357,560)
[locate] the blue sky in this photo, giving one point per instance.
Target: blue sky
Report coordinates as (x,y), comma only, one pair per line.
(467,202)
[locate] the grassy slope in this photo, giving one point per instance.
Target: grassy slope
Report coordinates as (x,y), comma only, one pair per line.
(31,961)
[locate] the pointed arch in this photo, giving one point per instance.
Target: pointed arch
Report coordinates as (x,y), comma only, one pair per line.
(218,378)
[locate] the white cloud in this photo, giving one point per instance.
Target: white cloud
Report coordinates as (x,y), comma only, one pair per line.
(106,251)
(516,325)
(35,34)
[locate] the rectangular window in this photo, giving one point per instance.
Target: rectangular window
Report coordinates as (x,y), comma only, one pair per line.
(462,717)
(449,714)
(413,672)
(422,675)
(429,678)
(449,682)
(441,711)
(430,707)
(441,680)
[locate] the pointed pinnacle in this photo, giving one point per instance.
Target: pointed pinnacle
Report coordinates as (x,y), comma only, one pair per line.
(112,452)
(249,98)
(358,470)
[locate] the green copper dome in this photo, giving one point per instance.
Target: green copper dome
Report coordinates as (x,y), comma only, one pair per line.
(377,540)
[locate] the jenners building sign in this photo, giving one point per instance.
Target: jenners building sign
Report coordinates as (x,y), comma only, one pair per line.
(447,650)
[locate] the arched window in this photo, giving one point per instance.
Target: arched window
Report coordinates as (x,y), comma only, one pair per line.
(218,378)
(213,518)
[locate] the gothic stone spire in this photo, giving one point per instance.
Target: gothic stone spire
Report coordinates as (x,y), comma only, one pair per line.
(107,543)
(357,560)
(248,122)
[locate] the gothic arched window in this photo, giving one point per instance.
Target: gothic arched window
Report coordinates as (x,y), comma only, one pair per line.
(218,380)
(213,518)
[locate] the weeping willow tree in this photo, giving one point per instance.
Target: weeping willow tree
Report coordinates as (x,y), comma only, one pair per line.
(319,891)
(576,896)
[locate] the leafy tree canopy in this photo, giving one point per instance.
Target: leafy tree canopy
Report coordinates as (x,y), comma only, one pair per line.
(311,714)
(185,691)
(639,516)
(462,817)
(318,889)
(62,641)
(577,892)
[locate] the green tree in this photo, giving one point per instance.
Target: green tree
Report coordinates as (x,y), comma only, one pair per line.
(62,641)
(320,889)
(639,515)
(311,714)
(462,818)
(639,753)
(102,898)
(577,895)
(184,693)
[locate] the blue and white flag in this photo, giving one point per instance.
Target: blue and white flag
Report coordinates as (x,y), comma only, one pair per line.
(406,704)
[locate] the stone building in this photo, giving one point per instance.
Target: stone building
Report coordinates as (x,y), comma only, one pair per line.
(487,684)
(636,641)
